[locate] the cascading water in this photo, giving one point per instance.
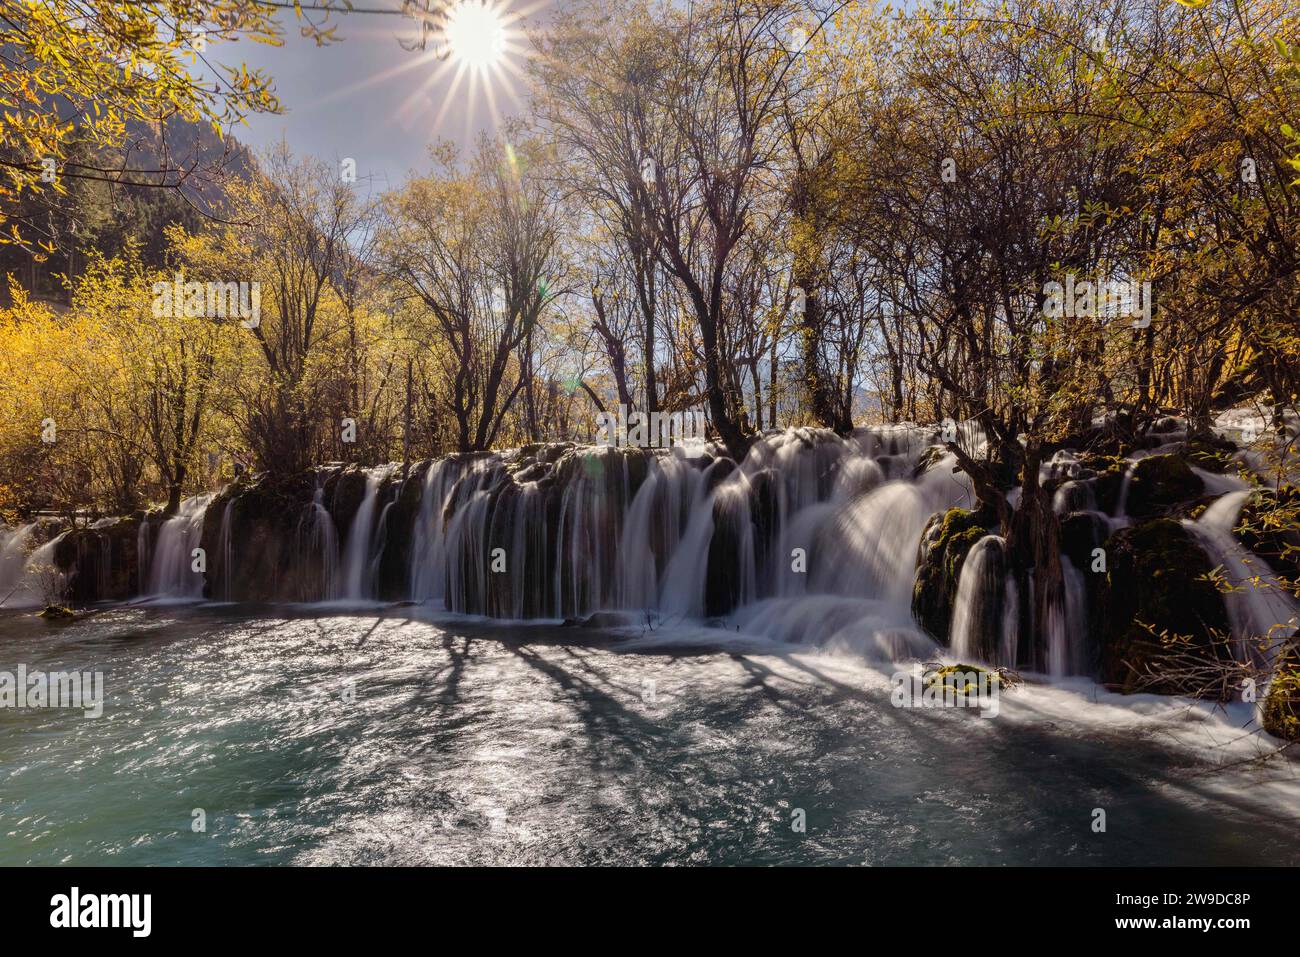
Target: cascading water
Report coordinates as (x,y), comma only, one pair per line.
(812,538)
(318,544)
(170,562)
(358,556)
(28,575)
(428,579)
(225,545)
(977,612)
(15,544)
(1260,611)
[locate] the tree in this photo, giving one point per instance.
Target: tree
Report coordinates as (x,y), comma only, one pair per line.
(478,247)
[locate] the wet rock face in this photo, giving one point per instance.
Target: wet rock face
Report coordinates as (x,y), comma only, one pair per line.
(1158,610)
(100,564)
(1159,484)
(263,563)
(398,518)
(344,493)
(945,543)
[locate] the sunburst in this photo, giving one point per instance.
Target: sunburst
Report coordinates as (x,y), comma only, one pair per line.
(474,49)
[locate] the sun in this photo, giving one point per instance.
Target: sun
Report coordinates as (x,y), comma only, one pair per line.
(476,35)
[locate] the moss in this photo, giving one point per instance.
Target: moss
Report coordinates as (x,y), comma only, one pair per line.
(1282,703)
(1159,484)
(948,538)
(1213,455)
(1158,601)
(57,613)
(1002,677)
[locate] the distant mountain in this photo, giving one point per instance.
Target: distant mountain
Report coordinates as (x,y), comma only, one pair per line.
(162,173)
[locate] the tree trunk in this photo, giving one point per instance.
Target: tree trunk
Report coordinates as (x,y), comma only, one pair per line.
(1034,545)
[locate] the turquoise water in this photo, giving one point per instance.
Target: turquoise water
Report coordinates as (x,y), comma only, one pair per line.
(316,736)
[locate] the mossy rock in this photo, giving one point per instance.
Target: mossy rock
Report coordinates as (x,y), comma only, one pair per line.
(1159,484)
(1081,533)
(1157,603)
(1004,678)
(1281,711)
(57,613)
(947,539)
(1107,479)
(1211,454)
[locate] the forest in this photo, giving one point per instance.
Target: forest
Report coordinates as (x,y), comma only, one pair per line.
(779,214)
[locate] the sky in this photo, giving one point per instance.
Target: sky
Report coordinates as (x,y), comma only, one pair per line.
(369,99)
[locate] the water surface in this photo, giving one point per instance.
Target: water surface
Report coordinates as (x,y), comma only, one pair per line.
(372,736)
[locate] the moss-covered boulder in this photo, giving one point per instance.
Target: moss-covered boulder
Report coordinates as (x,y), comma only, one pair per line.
(1281,711)
(1160,483)
(959,677)
(947,539)
(1211,454)
(1158,609)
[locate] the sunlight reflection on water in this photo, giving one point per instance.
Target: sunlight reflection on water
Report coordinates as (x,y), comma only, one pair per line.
(376,738)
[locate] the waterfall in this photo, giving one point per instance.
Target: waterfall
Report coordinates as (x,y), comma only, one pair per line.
(359,560)
(15,544)
(467,550)
(318,545)
(981,597)
(1009,645)
(657,517)
(428,580)
(1256,604)
(1067,625)
(28,576)
(225,545)
(169,562)
(869,544)
(811,538)
(681,593)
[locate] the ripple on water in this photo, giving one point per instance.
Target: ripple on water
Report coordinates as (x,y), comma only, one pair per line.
(376,738)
